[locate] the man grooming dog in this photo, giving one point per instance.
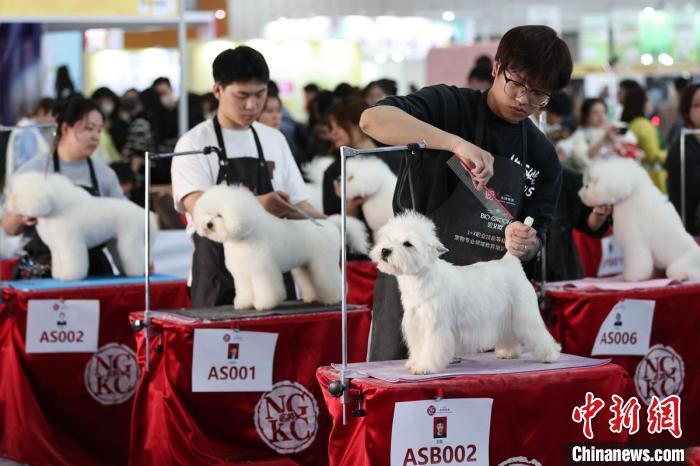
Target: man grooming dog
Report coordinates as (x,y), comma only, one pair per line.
(492,135)
(647,226)
(454,310)
(252,154)
(259,247)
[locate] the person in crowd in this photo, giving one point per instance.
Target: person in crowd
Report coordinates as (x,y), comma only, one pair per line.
(318,132)
(64,84)
(252,154)
(634,104)
(343,90)
(311,90)
(344,122)
(23,144)
(483,61)
(110,105)
(272,112)
(492,135)
(139,137)
(563,259)
(480,78)
(671,122)
(623,88)
(379,89)
(166,113)
(79,123)
(689,109)
(293,131)
(108,102)
(559,117)
(595,137)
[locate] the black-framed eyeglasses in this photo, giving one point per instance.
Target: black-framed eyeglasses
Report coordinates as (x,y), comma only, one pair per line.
(516,89)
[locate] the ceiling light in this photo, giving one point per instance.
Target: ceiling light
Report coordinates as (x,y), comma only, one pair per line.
(448,15)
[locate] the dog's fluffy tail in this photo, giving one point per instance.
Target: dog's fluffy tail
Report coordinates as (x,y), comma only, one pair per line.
(356,232)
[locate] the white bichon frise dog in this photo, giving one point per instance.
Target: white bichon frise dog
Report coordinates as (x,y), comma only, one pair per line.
(453,310)
(371,178)
(647,227)
(313,171)
(70,221)
(260,247)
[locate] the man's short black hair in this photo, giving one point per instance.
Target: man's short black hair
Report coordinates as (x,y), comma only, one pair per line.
(162,80)
(242,64)
(538,54)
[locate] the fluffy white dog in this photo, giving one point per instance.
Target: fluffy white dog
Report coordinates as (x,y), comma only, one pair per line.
(647,226)
(313,171)
(452,310)
(70,221)
(372,179)
(260,247)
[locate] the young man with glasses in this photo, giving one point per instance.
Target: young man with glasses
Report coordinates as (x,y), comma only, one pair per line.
(492,135)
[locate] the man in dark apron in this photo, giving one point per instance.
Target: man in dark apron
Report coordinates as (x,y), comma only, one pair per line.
(492,135)
(212,283)
(36,261)
(241,80)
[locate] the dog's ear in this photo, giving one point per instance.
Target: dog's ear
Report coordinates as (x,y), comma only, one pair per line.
(438,248)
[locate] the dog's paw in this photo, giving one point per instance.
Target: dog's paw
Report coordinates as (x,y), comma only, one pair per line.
(418,368)
(548,352)
(508,352)
(241,303)
(265,303)
(409,364)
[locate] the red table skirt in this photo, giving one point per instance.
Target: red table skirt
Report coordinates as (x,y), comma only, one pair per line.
(47,416)
(6,267)
(173,425)
(531,413)
(361,276)
(578,316)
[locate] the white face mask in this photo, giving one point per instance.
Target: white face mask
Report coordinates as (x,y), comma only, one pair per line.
(107,108)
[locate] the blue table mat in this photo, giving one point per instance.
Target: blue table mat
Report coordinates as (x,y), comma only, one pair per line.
(43,284)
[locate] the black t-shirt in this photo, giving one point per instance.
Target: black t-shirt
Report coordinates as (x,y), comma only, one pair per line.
(454,110)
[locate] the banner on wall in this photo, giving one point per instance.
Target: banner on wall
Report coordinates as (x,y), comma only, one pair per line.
(20,80)
(60,8)
(594,43)
(625,28)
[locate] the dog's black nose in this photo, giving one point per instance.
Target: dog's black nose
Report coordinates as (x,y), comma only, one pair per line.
(385,253)
(210,225)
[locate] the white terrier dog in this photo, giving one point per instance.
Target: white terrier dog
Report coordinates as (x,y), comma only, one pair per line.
(452,310)
(70,221)
(372,179)
(647,227)
(260,247)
